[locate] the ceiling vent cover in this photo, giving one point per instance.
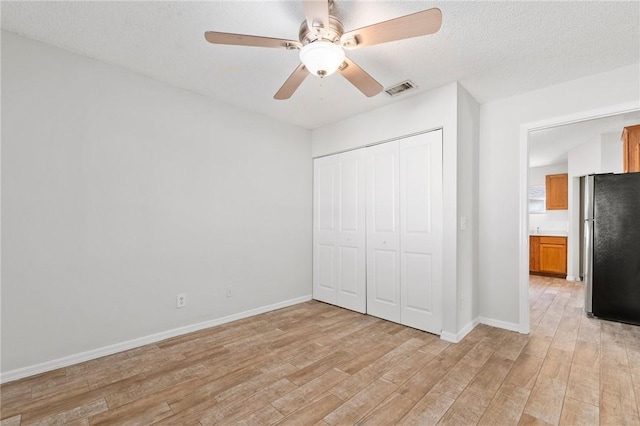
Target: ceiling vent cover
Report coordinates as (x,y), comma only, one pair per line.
(400,88)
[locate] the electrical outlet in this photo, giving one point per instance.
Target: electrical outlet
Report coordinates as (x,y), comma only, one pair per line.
(181,301)
(229,292)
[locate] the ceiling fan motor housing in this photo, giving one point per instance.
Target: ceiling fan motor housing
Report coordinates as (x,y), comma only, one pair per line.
(332,34)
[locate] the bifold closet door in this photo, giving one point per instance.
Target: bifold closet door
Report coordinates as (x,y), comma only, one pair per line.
(383,231)
(421,231)
(377,240)
(404,231)
(339,274)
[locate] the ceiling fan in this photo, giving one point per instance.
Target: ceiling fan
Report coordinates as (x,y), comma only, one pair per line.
(322,41)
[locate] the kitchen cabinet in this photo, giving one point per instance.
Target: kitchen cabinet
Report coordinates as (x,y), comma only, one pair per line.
(534,254)
(553,255)
(557,187)
(631,148)
(548,255)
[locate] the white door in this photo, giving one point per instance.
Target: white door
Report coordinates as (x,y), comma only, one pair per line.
(351,239)
(339,275)
(325,229)
(377,240)
(383,233)
(421,231)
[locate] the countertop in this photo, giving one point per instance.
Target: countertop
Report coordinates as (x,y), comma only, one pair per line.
(544,233)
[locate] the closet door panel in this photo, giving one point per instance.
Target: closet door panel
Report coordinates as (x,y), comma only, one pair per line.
(418,296)
(383,239)
(350,193)
(385,270)
(326,267)
(421,231)
(351,291)
(325,229)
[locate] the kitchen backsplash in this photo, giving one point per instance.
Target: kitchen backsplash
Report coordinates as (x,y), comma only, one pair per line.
(550,221)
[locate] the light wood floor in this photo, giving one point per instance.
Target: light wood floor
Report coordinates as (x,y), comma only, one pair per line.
(317,364)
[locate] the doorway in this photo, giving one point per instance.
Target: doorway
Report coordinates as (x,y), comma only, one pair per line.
(583,121)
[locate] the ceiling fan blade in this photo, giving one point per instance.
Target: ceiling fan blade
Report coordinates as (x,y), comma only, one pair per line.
(408,26)
(359,78)
(249,40)
(293,82)
(316,11)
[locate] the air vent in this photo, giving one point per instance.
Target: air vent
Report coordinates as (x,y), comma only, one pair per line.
(401,87)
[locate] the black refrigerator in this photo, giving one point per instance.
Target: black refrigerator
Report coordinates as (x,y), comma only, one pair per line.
(612,246)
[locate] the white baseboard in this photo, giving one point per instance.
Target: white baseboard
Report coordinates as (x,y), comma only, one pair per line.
(457,337)
(66,361)
(499,324)
(570,278)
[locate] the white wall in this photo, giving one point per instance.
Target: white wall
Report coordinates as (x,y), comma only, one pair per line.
(499,206)
(119,192)
(611,153)
(538,175)
(468,122)
(585,158)
(435,109)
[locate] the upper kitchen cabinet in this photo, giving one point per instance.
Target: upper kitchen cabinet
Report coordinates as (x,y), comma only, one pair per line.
(557,190)
(631,148)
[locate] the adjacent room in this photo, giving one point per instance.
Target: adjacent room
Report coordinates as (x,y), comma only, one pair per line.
(318,212)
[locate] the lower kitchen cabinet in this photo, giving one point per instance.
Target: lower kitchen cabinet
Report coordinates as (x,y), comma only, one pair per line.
(534,254)
(548,255)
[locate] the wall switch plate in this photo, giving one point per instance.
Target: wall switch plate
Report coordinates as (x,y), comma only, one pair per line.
(181,301)
(229,292)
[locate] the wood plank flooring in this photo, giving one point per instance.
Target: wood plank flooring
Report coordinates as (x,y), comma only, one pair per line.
(315,364)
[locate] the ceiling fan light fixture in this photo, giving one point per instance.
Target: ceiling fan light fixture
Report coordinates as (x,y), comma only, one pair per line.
(322,57)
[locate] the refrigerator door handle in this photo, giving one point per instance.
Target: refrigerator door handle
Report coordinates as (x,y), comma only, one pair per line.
(588,245)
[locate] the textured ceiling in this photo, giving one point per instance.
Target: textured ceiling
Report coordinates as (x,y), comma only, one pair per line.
(495,49)
(552,146)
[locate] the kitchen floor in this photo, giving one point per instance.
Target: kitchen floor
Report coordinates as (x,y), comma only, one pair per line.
(317,364)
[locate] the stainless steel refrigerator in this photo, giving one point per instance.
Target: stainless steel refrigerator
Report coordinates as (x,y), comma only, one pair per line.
(612,246)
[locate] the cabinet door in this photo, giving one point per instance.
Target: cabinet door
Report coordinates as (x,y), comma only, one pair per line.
(634,150)
(383,236)
(534,254)
(631,148)
(339,274)
(553,255)
(557,187)
(421,231)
